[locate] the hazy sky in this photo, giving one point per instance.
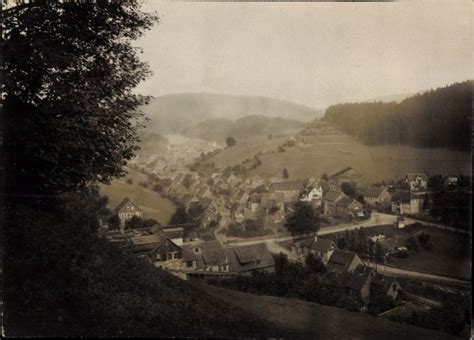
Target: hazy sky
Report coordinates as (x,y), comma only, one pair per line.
(314,54)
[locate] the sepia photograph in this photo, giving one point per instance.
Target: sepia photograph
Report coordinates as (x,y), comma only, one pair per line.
(207,169)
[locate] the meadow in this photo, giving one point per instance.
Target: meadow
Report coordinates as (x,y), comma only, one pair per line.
(152,203)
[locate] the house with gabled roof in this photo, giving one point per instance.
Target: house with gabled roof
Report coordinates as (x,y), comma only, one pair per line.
(320,247)
(406,202)
(377,197)
(206,256)
(313,194)
(359,283)
(291,190)
(417,182)
(330,200)
(342,261)
(347,206)
(126,210)
(247,259)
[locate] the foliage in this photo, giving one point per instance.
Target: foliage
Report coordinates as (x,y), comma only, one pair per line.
(304,219)
(412,245)
(130,181)
(415,121)
(453,317)
(314,264)
(80,285)
(452,207)
(180,216)
(281,149)
(230,141)
(424,240)
(68,70)
(292,280)
(114,222)
(134,223)
(350,189)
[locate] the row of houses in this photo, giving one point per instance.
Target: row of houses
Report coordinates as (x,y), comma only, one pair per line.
(362,283)
(169,248)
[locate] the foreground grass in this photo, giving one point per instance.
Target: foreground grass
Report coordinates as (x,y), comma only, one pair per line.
(311,320)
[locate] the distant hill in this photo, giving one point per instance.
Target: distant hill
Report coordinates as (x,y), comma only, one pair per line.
(219,129)
(390,98)
(435,119)
(173,113)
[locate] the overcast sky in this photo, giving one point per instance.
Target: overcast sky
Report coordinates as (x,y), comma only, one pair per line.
(314,54)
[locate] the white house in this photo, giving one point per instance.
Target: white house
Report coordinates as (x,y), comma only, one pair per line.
(314,195)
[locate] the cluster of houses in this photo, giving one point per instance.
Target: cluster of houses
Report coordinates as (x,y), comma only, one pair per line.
(364,284)
(177,249)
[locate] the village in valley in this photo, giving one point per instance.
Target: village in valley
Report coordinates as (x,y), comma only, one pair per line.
(375,245)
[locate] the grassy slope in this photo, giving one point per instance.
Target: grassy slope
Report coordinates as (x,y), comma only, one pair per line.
(153,204)
(322,322)
(330,153)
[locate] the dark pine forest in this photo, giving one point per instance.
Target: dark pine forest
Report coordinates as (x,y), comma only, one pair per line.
(438,118)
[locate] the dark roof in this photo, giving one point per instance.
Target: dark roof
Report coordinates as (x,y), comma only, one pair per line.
(344,202)
(402,196)
(333,195)
(382,284)
(373,192)
(123,203)
(211,254)
(323,245)
(340,260)
(358,279)
(285,186)
(251,257)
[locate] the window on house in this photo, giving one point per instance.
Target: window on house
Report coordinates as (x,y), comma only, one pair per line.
(189,264)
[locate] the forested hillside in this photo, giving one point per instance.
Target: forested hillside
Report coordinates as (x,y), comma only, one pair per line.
(437,118)
(245,127)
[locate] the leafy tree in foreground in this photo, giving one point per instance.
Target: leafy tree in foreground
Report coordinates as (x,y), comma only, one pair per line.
(304,219)
(69,120)
(68,71)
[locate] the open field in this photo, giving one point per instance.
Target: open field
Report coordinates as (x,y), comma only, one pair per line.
(314,321)
(450,255)
(333,151)
(152,203)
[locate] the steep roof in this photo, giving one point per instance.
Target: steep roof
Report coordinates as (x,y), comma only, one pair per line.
(211,254)
(401,196)
(251,257)
(344,202)
(323,245)
(340,260)
(358,279)
(372,192)
(333,195)
(122,204)
(286,186)
(382,284)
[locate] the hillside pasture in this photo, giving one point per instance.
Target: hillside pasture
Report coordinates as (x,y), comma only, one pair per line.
(152,203)
(328,153)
